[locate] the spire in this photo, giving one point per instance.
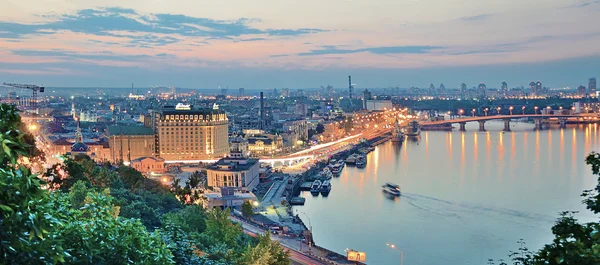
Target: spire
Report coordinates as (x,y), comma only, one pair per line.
(78,135)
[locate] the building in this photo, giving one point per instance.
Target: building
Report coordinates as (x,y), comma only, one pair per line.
(301,109)
(127,143)
(581,91)
(148,164)
(298,128)
(366,97)
(226,198)
(264,144)
(234,171)
(504,88)
(592,87)
(378,104)
(184,133)
(482,90)
(241,92)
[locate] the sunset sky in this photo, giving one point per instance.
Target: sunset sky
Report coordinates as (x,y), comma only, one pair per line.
(299,44)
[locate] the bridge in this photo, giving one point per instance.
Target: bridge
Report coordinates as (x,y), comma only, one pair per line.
(539,120)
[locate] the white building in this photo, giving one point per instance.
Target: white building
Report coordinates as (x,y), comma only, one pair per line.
(234,171)
(378,104)
(227,198)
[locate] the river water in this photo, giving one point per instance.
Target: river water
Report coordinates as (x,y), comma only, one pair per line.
(466,196)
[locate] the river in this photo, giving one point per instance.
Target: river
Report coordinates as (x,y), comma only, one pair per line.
(466,196)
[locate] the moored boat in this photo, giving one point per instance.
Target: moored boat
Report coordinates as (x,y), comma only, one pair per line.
(316,187)
(325,188)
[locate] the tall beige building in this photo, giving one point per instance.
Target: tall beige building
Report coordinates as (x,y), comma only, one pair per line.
(130,142)
(183,134)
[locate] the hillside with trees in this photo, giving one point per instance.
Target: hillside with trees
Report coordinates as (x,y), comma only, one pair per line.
(79,212)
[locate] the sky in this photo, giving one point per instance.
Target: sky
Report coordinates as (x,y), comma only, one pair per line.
(260,44)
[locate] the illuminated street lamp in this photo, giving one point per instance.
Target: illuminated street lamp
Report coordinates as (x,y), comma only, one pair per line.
(473,112)
(485,110)
(460,112)
(535,108)
(523,108)
(392,246)
(510,109)
(498,110)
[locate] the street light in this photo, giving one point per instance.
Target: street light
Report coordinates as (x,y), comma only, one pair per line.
(535,108)
(309,229)
(523,108)
(460,112)
(498,110)
(392,246)
(510,109)
(485,110)
(473,112)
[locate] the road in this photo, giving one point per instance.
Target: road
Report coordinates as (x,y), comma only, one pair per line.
(296,257)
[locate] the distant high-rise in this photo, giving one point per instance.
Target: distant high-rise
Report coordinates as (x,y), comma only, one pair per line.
(262,110)
(463,90)
(241,93)
(538,87)
(532,87)
(223,91)
(504,87)
(431,89)
(482,90)
(442,88)
(366,96)
(581,91)
(592,86)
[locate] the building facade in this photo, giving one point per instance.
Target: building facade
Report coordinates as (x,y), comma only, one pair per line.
(234,171)
(128,143)
(187,134)
(149,164)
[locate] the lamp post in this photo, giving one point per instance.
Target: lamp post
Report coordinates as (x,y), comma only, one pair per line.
(510,109)
(485,110)
(535,110)
(498,110)
(460,113)
(523,108)
(309,229)
(473,112)
(392,246)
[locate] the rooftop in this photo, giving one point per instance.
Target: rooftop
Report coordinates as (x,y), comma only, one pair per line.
(233,164)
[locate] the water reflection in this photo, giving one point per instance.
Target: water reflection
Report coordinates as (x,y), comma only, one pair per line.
(491,201)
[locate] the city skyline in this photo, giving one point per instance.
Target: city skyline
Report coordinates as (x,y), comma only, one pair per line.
(263,44)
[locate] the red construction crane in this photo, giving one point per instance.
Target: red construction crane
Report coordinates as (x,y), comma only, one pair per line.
(33,88)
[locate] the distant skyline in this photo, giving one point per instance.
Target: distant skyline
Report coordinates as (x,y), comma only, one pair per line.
(266,44)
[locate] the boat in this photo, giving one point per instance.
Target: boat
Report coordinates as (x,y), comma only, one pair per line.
(325,188)
(392,189)
(397,134)
(326,174)
(361,162)
(337,169)
(351,159)
(413,129)
(316,186)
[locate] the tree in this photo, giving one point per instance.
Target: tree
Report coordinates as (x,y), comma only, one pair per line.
(190,219)
(247,210)
(267,252)
(27,219)
(77,194)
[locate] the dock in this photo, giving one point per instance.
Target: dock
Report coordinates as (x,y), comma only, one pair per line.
(306,185)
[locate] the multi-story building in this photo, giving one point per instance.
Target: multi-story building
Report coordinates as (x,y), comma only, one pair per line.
(581,91)
(184,133)
(130,142)
(592,86)
(266,144)
(234,171)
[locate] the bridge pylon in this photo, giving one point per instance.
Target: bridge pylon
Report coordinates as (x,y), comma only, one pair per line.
(481,126)
(462,126)
(506,125)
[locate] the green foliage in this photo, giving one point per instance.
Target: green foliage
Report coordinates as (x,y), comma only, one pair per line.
(247,210)
(27,221)
(77,194)
(191,219)
(131,177)
(266,251)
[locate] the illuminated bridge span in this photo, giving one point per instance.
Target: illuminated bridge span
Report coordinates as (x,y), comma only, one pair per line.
(539,120)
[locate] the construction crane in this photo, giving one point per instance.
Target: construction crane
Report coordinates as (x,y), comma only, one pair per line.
(34,88)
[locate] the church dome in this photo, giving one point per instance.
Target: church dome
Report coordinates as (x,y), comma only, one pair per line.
(79,147)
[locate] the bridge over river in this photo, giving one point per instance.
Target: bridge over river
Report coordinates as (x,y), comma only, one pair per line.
(539,120)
